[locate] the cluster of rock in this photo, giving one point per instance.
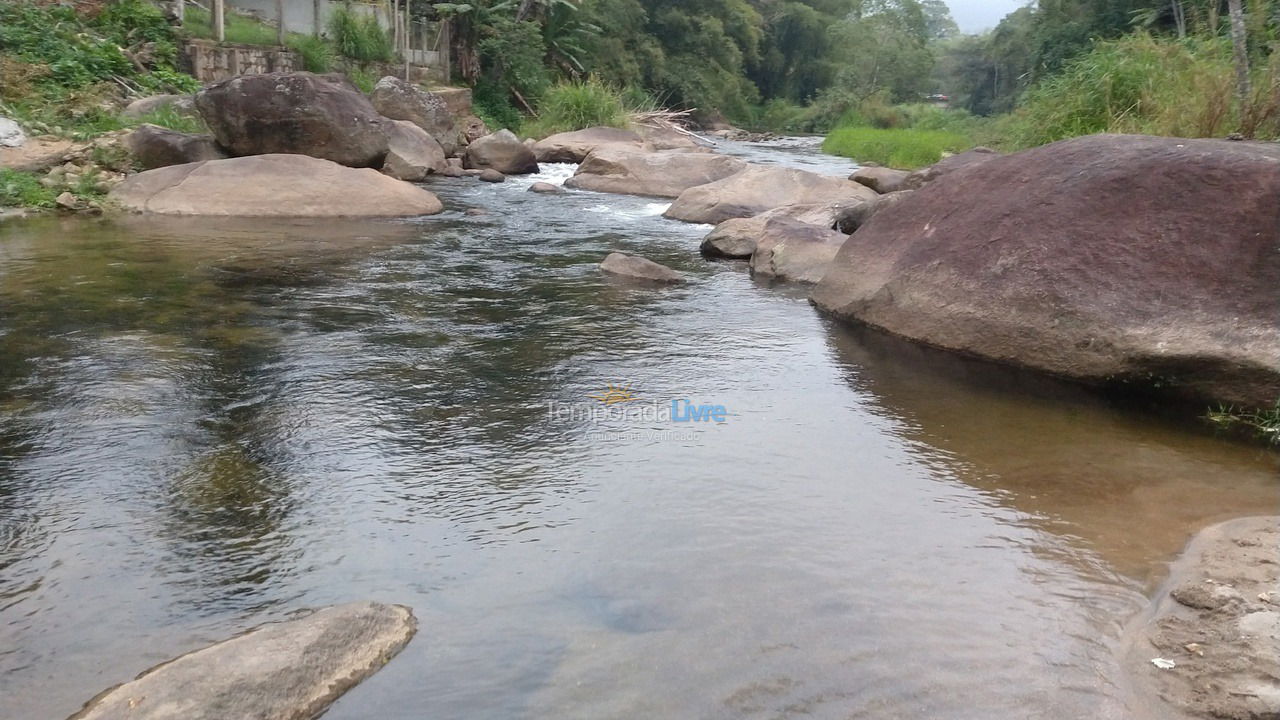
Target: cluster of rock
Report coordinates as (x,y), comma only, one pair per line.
(262,125)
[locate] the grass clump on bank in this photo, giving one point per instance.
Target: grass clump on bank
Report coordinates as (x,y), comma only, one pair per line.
(23,189)
(904,148)
(576,105)
(1264,424)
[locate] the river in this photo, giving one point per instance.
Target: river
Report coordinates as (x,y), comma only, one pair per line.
(207,425)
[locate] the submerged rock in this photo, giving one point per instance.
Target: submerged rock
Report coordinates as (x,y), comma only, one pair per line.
(156,147)
(290,670)
(638,171)
(792,251)
(574,147)
(323,116)
(491,176)
(272,186)
(543,188)
(1152,263)
(760,188)
(638,268)
(502,151)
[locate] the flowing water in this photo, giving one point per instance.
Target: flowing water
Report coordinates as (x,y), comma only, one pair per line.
(205,426)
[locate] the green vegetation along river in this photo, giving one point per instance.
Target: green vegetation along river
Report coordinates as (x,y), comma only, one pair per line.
(206,425)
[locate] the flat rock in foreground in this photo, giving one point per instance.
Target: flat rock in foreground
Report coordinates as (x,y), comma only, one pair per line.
(282,671)
(759,188)
(1219,626)
(272,186)
(1131,262)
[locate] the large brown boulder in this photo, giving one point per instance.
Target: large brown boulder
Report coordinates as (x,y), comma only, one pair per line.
(574,147)
(760,188)
(323,116)
(501,151)
(793,251)
(736,239)
(272,186)
(400,100)
(154,147)
(637,171)
(413,154)
(1152,263)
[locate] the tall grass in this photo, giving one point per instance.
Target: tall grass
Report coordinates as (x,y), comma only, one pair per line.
(904,148)
(316,53)
(1148,85)
(360,37)
(1265,423)
(575,105)
(198,22)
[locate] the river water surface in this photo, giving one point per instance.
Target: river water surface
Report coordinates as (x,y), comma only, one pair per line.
(205,426)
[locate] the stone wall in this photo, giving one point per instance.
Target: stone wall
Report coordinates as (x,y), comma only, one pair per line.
(210,61)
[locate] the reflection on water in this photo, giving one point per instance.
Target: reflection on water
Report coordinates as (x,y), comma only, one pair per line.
(203,427)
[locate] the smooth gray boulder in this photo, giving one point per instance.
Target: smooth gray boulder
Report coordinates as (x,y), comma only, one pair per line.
(399,100)
(11,134)
(291,670)
(792,251)
(490,175)
(272,186)
(412,153)
(543,188)
(881,179)
(630,170)
(574,147)
(155,147)
(502,151)
(638,268)
(736,239)
(323,116)
(760,188)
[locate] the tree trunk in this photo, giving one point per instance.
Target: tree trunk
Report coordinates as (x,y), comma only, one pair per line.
(1239,40)
(1180,19)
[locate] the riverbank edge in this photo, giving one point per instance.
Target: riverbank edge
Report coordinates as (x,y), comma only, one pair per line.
(1208,643)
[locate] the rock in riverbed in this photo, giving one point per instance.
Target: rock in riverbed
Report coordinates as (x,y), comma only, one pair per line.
(849,219)
(272,186)
(1217,629)
(638,268)
(881,179)
(759,188)
(1094,259)
(736,239)
(291,670)
(630,170)
(323,116)
(399,100)
(792,251)
(543,188)
(156,147)
(412,153)
(502,151)
(574,147)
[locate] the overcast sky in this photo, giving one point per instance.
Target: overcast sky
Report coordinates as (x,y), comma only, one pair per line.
(978,15)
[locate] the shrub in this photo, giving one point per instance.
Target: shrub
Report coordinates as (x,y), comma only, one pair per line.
(576,105)
(491,104)
(316,53)
(362,79)
(898,148)
(168,117)
(1141,84)
(359,38)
